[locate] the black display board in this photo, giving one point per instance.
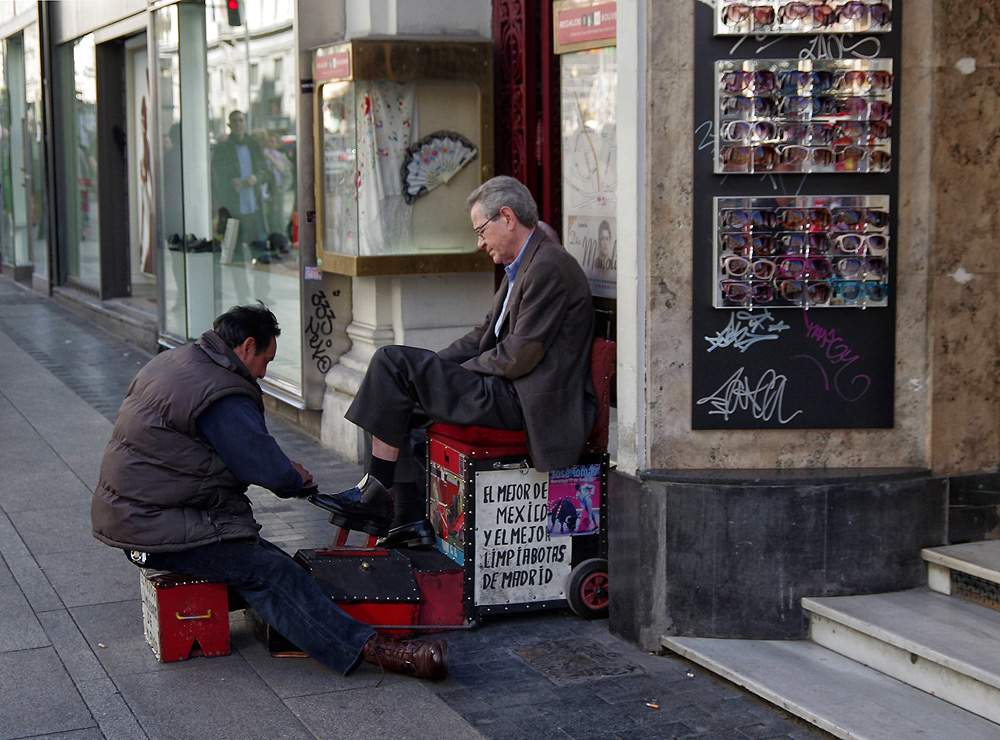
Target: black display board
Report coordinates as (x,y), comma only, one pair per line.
(774,365)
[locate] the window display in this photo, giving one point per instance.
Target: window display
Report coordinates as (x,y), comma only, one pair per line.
(405,137)
(803,115)
(802,252)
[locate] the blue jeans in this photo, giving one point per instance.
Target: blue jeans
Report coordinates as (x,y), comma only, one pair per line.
(283,594)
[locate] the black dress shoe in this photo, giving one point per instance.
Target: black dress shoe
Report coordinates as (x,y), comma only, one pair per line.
(415,534)
(367,507)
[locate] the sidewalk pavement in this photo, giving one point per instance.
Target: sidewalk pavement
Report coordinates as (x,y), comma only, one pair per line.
(74,664)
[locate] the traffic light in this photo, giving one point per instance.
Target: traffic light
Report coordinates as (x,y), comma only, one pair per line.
(235,10)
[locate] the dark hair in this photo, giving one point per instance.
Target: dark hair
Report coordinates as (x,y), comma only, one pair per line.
(240,323)
(501,191)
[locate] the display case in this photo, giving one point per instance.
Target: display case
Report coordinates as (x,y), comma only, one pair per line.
(404,134)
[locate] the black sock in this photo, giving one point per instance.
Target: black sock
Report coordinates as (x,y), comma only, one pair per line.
(408,504)
(384,471)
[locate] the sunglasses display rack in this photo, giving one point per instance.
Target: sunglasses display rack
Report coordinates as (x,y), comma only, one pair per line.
(759,17)
(802,252)
(803,116)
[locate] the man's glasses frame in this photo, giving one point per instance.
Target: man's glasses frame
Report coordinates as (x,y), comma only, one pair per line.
(481,229)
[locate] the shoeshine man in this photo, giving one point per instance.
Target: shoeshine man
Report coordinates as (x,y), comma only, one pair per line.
(526,367)
(189,440)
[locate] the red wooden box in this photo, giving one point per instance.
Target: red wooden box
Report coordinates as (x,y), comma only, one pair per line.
(183,616)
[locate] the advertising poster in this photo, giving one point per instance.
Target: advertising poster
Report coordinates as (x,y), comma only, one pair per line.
(516,559)
(592,240)
(590,199)
(574,500)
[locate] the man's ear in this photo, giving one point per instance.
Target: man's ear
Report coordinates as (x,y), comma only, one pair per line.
(246,350)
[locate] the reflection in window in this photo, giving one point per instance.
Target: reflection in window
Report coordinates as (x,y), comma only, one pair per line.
(251,130)
(83,237)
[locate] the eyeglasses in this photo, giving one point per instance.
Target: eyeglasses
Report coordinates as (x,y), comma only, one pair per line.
(854,290)
(857,243)
(481,229)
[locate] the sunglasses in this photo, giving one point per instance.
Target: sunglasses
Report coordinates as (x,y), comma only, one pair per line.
(859,267)
(855,219)
(791,82)
(738,267)
(798,243)
(858,243)
(739,292)
(744,131)
(878,13)
(817,268)
(821,15)
(742,106)
(860,130)
(762,81)
(745,245)
(747,219)
(854,290)
(763,157)
(856,81)
(734,15)
(802,219)
(818,293)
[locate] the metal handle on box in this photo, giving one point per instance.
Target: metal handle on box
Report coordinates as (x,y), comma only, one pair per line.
(195,616)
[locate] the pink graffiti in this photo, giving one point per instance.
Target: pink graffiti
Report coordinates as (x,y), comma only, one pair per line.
(838,355)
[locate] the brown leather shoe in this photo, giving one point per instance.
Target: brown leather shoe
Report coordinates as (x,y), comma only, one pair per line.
(409,657)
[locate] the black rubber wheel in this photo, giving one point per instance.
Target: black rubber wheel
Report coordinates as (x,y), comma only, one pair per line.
(587,589)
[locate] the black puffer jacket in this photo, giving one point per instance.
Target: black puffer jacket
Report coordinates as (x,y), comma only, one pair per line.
(161,487)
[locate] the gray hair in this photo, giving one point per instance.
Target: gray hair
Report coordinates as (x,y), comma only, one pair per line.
(501,191)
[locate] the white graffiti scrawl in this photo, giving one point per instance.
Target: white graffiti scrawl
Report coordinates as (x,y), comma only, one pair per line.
(762,400)
(745,329)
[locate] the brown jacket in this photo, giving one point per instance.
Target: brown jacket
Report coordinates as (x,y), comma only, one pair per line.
(544,348)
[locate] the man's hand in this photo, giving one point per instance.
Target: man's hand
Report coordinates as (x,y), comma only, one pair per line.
(307,479)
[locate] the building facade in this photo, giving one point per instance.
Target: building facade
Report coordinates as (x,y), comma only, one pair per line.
(806,375)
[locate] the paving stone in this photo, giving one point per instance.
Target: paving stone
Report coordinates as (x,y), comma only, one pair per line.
(19,629)
(38,696)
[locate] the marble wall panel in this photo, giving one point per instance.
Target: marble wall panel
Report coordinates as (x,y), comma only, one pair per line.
(966,357)
(964,267)
(671,443)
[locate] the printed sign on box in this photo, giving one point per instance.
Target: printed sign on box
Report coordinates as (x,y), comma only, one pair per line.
(517,561)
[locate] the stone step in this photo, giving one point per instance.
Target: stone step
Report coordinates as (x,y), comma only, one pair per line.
(947,647)
(970,570)
(835,693)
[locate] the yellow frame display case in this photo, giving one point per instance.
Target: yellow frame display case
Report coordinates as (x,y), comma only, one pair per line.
(384,108)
